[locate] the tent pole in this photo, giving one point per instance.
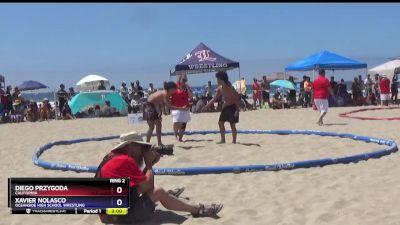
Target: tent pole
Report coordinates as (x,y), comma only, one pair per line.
(240,82)
(313,74)
(55,106)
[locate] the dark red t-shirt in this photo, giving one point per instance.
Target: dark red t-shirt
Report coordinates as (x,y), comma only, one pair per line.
(180,98)
(321,87)
(384,85)
(123,166)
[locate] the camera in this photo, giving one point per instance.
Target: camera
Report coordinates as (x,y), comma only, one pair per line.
(165,149)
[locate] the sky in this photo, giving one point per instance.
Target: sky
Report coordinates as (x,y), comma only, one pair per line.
(63,42)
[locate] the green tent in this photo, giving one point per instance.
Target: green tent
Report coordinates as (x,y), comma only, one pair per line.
(84,100)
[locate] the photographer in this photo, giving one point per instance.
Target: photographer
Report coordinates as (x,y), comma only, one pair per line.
(125,161)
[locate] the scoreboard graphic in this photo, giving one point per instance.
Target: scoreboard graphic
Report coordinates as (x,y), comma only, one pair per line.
(68,195)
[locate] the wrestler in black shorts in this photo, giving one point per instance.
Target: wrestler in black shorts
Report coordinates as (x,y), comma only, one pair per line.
(228,114)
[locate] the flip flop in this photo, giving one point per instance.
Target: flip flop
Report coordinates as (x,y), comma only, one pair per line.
(208,210)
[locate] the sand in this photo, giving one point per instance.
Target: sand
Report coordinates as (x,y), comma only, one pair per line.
(361,193)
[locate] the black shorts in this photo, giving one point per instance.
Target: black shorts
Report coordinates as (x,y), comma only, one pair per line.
(228,114)
(141,209)
(265,95)
(150,112)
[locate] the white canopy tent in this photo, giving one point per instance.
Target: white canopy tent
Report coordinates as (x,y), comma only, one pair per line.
(91,82)
(387,68)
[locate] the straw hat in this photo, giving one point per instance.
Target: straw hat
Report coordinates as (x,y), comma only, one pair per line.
(128,138)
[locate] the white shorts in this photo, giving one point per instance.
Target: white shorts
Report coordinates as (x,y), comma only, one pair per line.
(322,105)
(385,97)
(180,116)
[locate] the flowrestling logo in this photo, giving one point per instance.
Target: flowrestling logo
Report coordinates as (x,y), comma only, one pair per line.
(204,55)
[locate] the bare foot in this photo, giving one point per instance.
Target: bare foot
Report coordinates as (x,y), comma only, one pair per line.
(221,142)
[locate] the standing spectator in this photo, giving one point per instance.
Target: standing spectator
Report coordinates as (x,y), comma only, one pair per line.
(265,88)
(308,88)
(292,94)
(302,92)
(9,101)
(33,112)
(3,102)
(151,89)
(384,87)
(209,91)
(101,86)
(334,86)
(123,92)
(71,93)
(394,88)
(361,84)
(180,106)
(256,93)
(322,89)
(376,87)
(356,92)
(342,95)
(139,89)
(368,85)
(62,98)
(132,91)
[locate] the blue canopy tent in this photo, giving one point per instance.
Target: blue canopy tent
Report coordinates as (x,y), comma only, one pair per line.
(202,59)
(325,60)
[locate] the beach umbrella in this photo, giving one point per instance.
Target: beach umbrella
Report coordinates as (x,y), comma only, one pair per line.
(284,84)
(279,76)
(91,82)
(31,85)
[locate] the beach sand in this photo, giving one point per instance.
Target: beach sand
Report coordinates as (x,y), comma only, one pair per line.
(361,193)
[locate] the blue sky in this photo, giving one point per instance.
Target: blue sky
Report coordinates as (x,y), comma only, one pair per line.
(61,43)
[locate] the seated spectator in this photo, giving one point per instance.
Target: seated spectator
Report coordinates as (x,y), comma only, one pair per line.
(135,103)
(101,86)
(107,110)
(124,161)
(90,112)
(33,113)
(97,111)
(19,111)
(277,101)
(67,112)
(45,111)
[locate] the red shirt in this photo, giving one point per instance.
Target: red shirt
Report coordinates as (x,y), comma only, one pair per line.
(384,85)
(180,98)
(123,166)
(321,87)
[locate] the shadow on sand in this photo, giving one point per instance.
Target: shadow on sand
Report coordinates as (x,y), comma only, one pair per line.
(335,124)
(196,140)
(189,147)
(165,217)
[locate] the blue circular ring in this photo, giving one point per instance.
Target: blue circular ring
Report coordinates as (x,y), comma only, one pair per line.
(392,147)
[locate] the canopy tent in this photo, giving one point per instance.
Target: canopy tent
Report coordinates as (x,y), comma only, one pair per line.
(279,76)
(91,82)
(31,85)
(84,100)
(388,68)
(202,59)
(326,60)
